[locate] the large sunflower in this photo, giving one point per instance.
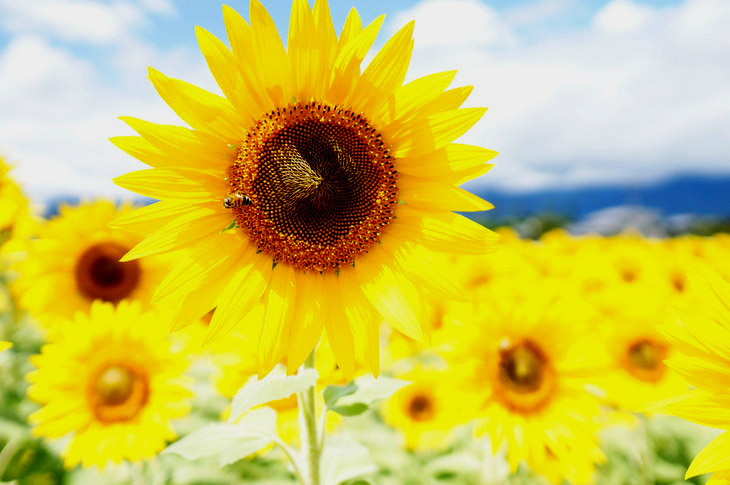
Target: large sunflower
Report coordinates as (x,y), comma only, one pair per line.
(113,380)
(75,260)
(702,339)
(335,184)
(525,368)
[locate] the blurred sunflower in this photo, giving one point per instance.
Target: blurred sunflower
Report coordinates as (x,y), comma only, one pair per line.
(111,381)
(13,204)
(75,260)
(524,367)
(702,341)
(426,410)
(637,351)
(313,188)
(5,345)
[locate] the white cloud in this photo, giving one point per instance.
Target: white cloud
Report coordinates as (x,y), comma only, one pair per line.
(59,111)
(631,101)
(72,20)
(454,23)
(622,16)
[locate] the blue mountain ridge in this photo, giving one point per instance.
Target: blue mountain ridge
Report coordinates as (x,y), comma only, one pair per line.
(684,194)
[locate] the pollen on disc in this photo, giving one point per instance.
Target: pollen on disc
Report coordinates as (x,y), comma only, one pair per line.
(321,183)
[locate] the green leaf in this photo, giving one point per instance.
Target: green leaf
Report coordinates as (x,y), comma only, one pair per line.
(227,443)
(350,409)
(371,390)
(273,387)
(345,459)
(332,393)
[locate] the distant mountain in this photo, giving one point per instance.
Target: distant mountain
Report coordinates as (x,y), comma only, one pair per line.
(695,194)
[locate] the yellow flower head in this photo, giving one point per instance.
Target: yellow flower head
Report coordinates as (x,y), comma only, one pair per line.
(314,188)
(5,345)
(524,367)
(637,351)
(112,381)
(703,343)
(426,410)
(75,260)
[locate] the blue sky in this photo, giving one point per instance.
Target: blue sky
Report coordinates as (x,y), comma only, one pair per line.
(580,92)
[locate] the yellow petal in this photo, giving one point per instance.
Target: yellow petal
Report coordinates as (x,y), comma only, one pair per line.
(338,331)
(220,62)
(385,72)
(351,29)
(269,55)
(436,131)
(442,231)
(394,296)
(280,303)
(448,163)
(714,457)
(160,183)
(242,292)
(410,98)
(202,110)
(364,322)
(181,147)
(431,195)
(346,69)
(150,217)
(309,317)
(187,275)
(182,232)
(703,408)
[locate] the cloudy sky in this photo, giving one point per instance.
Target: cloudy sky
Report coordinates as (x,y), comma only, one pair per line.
(580,92)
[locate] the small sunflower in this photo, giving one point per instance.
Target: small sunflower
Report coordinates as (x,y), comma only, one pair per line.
(5,345)
(75,260)
(524,368)
(704,360)
(426,410)
(637,351)
(314,188)
(112,381)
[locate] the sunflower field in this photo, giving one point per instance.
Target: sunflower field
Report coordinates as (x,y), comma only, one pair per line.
(304,302)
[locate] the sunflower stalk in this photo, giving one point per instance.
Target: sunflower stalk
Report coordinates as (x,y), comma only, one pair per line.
(309,433)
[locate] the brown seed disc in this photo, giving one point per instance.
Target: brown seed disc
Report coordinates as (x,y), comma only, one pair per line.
(100,275)
(318,186)
(117,393)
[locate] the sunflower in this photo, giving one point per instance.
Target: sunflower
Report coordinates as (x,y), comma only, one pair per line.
(314,188)
(524,367)
(704,359)
(426,410)
(112,381)
(637,351)
(74,261)
(13,204)
(5,345)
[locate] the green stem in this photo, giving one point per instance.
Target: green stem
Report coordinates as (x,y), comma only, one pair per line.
(309,432)
(287,451)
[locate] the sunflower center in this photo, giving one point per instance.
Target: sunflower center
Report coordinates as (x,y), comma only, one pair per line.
(645,360)
(313,186)
(117,393)
(525,376)
(100,275)
(421,408)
